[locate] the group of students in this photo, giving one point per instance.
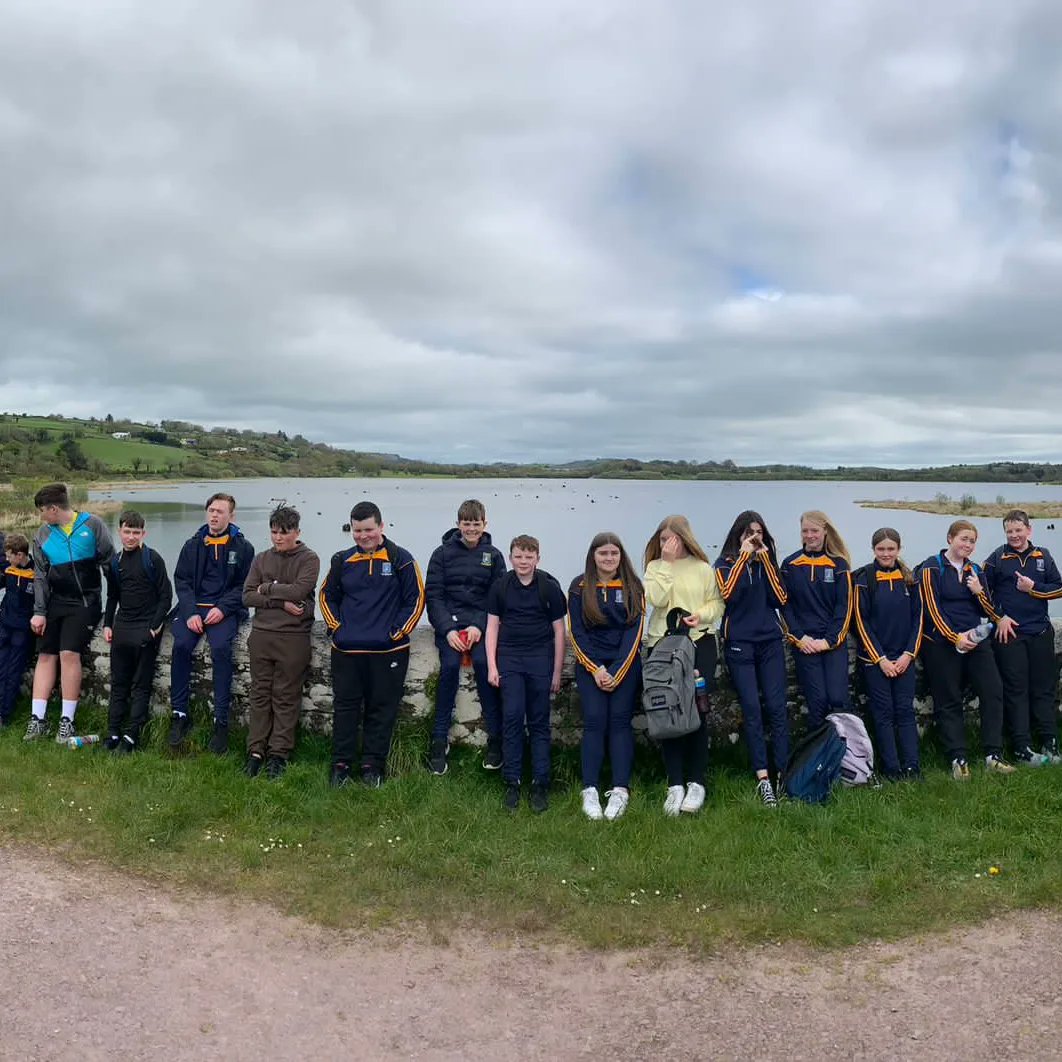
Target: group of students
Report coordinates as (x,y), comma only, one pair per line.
(509,625)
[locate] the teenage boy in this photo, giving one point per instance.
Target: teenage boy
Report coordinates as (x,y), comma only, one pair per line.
(209,577)
(1021,579)
(16,609)
(525,654)
(280,587)
(69,551)
(139,598)
(460,574)
(371,598)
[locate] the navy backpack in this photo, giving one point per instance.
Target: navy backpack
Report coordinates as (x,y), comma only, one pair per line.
(814,766)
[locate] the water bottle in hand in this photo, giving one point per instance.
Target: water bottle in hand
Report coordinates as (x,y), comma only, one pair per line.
(978,634)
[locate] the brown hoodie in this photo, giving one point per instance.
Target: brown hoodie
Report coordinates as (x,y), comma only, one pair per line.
(278,577)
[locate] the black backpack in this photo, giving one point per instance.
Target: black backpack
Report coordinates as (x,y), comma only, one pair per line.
(814,765)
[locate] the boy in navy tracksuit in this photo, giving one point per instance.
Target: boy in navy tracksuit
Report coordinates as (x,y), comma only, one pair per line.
(209,577)
(16,610)
(139,597)
(371,599)
(1021,578)
(888,613)
(525,654)
(460,574)
(752,642)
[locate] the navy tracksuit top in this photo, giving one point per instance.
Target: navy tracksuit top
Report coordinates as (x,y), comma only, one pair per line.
(615,644)
(820,597)
(950,608)
(753,591)
(888,614)
(1028,610)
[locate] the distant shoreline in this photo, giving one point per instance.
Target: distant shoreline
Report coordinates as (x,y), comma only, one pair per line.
(1042,510)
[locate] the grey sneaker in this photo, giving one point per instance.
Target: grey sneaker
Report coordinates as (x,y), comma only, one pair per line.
(66,731)
(34,729)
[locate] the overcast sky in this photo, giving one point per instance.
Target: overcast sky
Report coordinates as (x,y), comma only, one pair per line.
(821,233)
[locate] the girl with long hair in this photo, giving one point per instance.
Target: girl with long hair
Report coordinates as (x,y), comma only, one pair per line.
(752,588)
(888,616)
(605,609)
(818,579)
(678,574)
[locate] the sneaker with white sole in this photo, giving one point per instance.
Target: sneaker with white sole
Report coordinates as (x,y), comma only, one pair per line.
(960,770)
(694,799)
(35,728)
(65,732)
(617,803)
(1027,758)
(998,765)
(592,803)
(765,791)
(1051,752)
(673,801)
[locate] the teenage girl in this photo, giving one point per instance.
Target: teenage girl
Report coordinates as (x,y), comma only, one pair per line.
(750,584)
(678,574)
(888,616)
(605,609)
(818,580)
(955,601)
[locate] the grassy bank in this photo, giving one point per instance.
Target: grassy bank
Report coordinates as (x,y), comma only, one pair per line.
(968,505)
(441,852)
(17,512)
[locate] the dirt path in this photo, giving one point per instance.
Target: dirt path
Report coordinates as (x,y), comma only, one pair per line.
(94,965)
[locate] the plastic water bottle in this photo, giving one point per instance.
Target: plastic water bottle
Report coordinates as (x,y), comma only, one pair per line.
(978,634)
(79,741)
(701,694)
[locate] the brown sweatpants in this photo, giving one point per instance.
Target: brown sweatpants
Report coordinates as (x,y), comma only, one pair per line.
(278,667)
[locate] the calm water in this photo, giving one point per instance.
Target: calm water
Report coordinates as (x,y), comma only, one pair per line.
(564,515)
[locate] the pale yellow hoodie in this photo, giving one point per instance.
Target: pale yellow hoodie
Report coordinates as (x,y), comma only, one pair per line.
(686,583)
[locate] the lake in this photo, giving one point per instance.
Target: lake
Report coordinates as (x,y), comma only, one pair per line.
(565,514)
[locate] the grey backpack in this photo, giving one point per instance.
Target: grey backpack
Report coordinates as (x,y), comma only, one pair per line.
(857,767)
(669,692)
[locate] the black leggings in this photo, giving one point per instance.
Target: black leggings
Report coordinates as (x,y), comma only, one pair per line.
(686,758)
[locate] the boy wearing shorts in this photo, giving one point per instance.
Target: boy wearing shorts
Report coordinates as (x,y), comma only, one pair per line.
(525,654)
(69,552)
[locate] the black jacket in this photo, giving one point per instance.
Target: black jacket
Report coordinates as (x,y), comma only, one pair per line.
(458,582)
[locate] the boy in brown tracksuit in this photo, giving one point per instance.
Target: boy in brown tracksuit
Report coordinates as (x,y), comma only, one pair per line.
(280,586)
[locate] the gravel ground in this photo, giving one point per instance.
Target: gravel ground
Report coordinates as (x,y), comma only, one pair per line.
(96,965)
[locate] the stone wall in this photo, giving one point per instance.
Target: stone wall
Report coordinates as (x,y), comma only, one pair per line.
(419,700)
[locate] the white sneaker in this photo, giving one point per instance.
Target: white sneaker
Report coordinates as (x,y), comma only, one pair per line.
(591,803)
(617,803)
(673,803)
(694,798)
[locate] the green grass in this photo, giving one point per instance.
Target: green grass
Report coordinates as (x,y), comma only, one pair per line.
(119,453)
(443,854)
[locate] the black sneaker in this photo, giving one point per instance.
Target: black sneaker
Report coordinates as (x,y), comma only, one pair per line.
(1050,750)
(912,774)
(371,777)
(112,742)
(340,775)
(539,799)
(1027,758)
(253,765)
(126,746)
(440,749)
(492,759)
(512,796)
(179,728)
(219,740)
(276,766)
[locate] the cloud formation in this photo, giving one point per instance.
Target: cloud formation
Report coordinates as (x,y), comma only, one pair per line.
(825,234)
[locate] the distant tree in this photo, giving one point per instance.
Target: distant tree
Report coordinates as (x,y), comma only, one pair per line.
(136,463)
(109,419)
(70,452)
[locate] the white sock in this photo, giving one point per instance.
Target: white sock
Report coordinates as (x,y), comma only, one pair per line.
(39,707)
(69,707)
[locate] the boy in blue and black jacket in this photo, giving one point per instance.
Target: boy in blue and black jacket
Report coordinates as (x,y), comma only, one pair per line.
(139,598)
(525,654)
(16,610)
(371,599)
(460,574)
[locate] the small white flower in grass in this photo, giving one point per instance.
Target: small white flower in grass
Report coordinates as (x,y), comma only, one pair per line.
(151,840)
(657,893)
(564,881)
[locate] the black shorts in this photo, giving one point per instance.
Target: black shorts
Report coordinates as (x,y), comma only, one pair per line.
(69,628)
